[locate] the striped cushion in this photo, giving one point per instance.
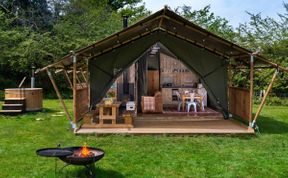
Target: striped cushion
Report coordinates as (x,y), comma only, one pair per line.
(149,103)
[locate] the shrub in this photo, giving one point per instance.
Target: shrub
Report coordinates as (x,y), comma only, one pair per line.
(1,95)
(274,101)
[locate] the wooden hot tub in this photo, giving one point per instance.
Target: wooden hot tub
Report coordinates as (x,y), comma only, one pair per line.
(33,97)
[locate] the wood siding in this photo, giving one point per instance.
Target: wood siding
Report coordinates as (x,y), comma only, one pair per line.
(82,104)
(153,82)
(175,72)
(239,102)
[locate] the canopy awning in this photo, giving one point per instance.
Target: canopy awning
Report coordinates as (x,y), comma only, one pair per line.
(171,23)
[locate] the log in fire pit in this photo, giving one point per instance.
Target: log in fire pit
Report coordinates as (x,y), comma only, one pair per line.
(84,156)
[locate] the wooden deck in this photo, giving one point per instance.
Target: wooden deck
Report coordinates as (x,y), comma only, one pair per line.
(174,126)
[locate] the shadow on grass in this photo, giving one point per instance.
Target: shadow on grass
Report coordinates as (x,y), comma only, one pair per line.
(98,172)
(272,126)
(47,110)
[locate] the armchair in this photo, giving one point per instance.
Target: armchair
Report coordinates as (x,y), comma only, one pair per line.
(152,104)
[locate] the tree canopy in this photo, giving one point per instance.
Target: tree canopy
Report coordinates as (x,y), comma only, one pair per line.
(38,32)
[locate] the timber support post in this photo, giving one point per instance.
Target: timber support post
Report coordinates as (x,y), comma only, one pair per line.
(60,97)
(74,59)
(251,89)
(264,98)
(229,73)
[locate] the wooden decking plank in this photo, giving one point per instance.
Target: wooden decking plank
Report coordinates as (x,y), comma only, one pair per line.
(176,127)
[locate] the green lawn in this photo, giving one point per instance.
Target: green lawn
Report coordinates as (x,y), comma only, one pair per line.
(264,155)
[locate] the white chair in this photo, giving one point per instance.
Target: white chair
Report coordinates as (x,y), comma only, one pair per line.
(202,91)
(204,99)
(179,100)
(191,102)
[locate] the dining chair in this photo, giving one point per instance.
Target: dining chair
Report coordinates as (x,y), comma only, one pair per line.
(204,96)
(191,102)
(179,100)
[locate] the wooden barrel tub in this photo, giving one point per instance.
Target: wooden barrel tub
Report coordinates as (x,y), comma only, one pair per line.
(32,96)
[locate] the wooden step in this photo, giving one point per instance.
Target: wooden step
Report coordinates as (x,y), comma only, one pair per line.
(13,107)
(15,98)
(14,101)
(11,112)
(12,104)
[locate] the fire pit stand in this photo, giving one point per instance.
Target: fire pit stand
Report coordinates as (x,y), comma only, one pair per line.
(90,169)
(54,152)
(74,156)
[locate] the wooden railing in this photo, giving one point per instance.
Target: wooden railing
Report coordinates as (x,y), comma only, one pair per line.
(239,102)
(82,103)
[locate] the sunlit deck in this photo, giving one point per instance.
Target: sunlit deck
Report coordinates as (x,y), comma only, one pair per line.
(174,125)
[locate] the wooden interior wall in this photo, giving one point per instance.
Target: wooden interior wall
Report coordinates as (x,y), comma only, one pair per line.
(239,102)
(174,71)
(131,76)
(153,82)
(82,104)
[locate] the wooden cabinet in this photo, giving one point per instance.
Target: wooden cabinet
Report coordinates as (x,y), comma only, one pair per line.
(173,71)
(153,82)
(167,95)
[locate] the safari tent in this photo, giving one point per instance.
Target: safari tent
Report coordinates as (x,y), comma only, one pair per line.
(152,64)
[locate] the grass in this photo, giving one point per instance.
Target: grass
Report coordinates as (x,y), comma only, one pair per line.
(264,155)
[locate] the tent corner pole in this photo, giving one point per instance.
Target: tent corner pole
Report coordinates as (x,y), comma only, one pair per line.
(74,59)
(264,98)
(251,89)
(229,73)
(60,97)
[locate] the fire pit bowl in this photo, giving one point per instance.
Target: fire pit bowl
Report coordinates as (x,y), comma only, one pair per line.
(77,158)
(53,152)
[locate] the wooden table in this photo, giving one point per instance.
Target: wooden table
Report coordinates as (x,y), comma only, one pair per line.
(186,97)
(111,114)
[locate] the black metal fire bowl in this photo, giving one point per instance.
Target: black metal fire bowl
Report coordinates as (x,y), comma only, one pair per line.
(76,159)
(73,156)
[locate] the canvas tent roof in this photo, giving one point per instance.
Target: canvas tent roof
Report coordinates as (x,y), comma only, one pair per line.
(201,51)
(170,23)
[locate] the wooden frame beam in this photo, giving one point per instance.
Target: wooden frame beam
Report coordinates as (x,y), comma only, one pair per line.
(22,81)
(84,77)
(207,34)
(246,68)
(214,51)
(68,78)
(154,23)
(264,98)
(78,80)
(60,97)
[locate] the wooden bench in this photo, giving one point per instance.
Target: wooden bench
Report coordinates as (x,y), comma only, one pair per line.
(108,112)
(89,117)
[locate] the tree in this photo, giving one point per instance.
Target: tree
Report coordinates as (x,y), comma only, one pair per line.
(30,13)
(271,36)
(40,32)
(207,20)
